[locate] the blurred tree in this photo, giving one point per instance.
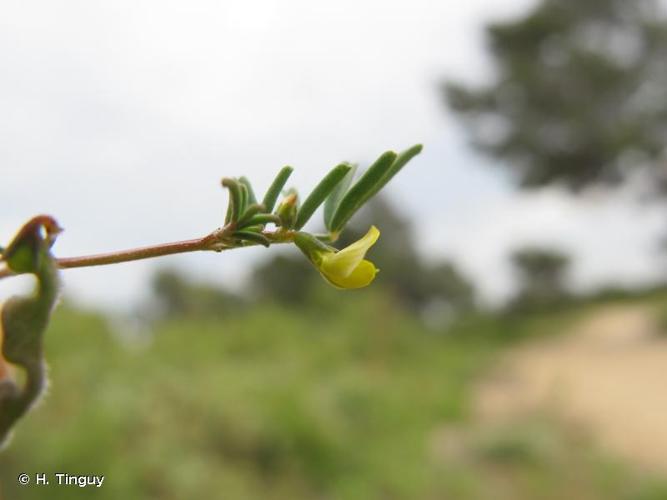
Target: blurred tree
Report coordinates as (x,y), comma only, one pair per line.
(177,296)
(580,96)
(285,278)
(414,281)
(541,273)
(445,282)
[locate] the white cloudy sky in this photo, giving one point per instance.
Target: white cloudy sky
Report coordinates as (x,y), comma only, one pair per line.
(120,118)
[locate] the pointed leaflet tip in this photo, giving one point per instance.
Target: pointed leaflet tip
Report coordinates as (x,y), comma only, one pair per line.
(401,160)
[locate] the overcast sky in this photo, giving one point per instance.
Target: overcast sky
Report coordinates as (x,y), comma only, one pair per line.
(120,118)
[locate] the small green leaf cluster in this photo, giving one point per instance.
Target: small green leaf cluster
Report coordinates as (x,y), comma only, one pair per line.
(341,195)
(247,217)
(338,191)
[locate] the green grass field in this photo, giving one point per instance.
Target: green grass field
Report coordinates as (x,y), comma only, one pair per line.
(361,403)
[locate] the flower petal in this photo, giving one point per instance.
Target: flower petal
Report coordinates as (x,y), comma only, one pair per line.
(345,262)
(360,277)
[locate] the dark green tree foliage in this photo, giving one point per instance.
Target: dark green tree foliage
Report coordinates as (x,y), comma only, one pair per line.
(542,275)
(579,97)
(288,279)
(177,296)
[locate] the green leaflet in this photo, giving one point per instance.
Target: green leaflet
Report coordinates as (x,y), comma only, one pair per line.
(251,193)
(403,158)
(276,187)
(241,199)
(333,200)
(244,199)
(257,228)
(253,237)
(320,193)
(373,180)
(359,193)
(23,320)
(250,212)
(235,199)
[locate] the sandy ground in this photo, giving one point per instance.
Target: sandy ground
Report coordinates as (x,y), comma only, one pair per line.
(609,374)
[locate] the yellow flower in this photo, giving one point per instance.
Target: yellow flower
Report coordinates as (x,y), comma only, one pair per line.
(346,268)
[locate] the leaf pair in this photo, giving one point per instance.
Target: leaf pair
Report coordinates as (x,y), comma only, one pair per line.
(345,201)
(340,200)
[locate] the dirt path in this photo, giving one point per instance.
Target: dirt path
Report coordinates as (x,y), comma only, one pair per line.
(609,374)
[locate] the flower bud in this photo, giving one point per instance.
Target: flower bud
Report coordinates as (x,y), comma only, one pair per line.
(287,211)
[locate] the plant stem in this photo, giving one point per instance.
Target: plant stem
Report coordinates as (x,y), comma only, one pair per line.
(219,240)
(104,259)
